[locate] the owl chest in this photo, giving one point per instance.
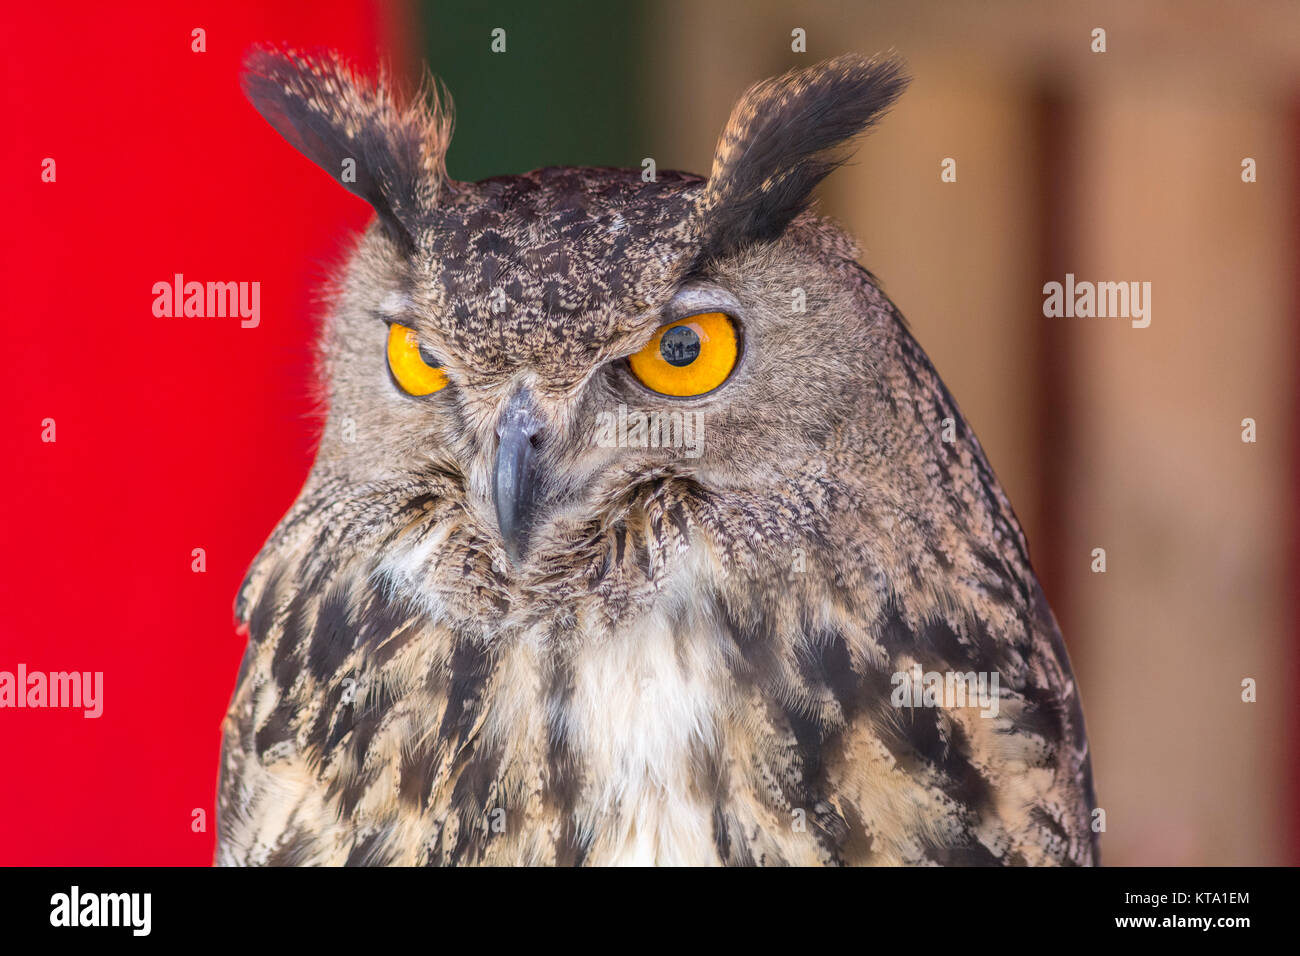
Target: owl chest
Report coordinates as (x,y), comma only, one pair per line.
(641,719)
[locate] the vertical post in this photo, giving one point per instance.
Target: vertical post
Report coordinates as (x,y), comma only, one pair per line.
(1054,118)
(1292,773)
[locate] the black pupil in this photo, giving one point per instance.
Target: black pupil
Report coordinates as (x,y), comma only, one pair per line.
(680,346)
(429,360)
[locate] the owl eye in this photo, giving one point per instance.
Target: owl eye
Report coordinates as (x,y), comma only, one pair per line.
(414,369)
(688,357)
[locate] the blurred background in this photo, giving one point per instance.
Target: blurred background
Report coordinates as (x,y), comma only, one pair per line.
(1123,165)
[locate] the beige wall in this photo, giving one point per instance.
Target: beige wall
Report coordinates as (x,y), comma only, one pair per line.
(1197,594)
(1193,520)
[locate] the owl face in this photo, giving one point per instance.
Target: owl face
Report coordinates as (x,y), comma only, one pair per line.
(552,348)
(578,358)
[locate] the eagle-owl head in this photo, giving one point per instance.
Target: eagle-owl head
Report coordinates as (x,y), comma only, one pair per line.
(555,384)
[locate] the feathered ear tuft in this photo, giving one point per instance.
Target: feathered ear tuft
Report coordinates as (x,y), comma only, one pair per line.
(391,156)
(778,145)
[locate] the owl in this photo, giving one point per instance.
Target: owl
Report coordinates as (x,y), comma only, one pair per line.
(641,530)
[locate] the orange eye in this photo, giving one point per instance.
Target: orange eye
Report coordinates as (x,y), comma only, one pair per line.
(416,374)
(691,356)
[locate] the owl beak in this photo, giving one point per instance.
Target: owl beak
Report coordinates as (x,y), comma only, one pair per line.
(514,482)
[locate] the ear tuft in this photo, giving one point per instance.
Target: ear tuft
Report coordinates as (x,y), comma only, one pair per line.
(778,145)
(330,115)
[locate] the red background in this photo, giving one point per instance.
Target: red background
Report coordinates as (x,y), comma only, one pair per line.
(172,434)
